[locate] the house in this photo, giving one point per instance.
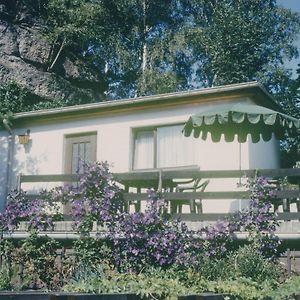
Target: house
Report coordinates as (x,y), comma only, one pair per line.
(132,134)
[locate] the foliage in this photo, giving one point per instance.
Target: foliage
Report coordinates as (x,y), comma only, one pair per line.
(29,263)
(96,199)
(138,44)
(91,251)
(149,238)
(288,96)
(124,39)
(21,208)
(145,252)
(243,288)
(243,40)
(13,98)
(246,262)
(257,220)
(249,262)
(288,290)
(37,254)
(6,248)
(4,279)
(153,284)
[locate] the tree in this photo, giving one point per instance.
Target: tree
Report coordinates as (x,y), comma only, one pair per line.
(242,40)
(136,44)
(143,47)
(287,95)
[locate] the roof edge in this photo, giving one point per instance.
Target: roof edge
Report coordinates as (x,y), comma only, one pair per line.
(145,99)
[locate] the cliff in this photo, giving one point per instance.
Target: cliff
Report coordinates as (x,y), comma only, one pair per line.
(26,57)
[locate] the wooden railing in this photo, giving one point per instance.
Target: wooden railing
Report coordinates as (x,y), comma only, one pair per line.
(283,196)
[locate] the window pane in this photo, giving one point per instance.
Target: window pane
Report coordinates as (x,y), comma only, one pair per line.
(81,152)
(174,149)
(144,155)
(75,154)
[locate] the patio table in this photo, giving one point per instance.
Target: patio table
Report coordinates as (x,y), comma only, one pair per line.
(159,179)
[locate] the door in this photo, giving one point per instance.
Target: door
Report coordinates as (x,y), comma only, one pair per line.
(80,149)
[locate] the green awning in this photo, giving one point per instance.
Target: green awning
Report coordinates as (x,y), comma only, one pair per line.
(241,119)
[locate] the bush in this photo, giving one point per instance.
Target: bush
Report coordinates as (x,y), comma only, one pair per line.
(4,279)
(91,251)
(152,284)
(149,239)
(141,245)
(288,290)
(37,255)
(248,262)
(96,199)
(20,208)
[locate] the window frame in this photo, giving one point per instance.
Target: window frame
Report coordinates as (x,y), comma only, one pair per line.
(154,129)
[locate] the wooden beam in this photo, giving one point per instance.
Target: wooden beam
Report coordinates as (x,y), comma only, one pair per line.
(288,216)
(169,173)
(190,195)
(193,217)
(210,195)
(49,178)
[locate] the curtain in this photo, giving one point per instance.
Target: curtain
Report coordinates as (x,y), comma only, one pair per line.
(174,149)
(144,150)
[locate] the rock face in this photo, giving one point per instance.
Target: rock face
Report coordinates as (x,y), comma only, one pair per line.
(25,59)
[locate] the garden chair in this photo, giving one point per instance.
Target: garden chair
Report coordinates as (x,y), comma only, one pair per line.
(191,185)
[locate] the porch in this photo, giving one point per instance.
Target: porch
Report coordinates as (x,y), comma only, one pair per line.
(286,200)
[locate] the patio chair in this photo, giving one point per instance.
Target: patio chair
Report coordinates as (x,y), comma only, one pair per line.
(192,185)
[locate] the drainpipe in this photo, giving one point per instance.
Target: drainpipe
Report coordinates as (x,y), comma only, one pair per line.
(10,151)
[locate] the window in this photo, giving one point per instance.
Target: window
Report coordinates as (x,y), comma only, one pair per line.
(164,146)
(79,149)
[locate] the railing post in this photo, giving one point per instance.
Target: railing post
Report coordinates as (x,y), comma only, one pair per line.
(61,267)
(19,182)
(20,274)
(289,261)
(1,258)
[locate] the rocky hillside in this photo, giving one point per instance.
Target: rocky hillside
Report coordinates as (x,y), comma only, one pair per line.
(26,57)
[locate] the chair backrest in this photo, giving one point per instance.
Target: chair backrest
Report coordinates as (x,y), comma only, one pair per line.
(201,185)
(193,184)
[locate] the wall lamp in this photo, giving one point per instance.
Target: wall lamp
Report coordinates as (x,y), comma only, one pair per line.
(24,138)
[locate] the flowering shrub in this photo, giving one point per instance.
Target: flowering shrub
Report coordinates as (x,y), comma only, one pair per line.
(96,198)
(149,238)
(257,220)
(21,208)
(142,240)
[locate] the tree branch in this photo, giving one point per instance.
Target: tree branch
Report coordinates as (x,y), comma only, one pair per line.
(57,55)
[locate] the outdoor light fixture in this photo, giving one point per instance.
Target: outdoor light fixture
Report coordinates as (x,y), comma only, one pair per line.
(24,138)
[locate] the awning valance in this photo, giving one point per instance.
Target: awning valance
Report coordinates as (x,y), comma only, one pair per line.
(241,119)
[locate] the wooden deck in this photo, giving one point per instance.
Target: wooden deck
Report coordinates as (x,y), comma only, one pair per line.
(160,178)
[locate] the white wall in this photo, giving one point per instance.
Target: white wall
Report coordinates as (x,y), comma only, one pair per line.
(44,153)
(3,166)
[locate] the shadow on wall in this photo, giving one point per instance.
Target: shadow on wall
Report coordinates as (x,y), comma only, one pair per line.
(21,162)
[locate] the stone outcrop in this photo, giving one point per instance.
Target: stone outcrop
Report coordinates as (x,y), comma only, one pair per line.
(25,57)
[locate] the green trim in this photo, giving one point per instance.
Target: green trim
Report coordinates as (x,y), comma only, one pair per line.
(241,119)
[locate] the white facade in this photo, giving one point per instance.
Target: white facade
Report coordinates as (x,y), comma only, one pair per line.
(45,153)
